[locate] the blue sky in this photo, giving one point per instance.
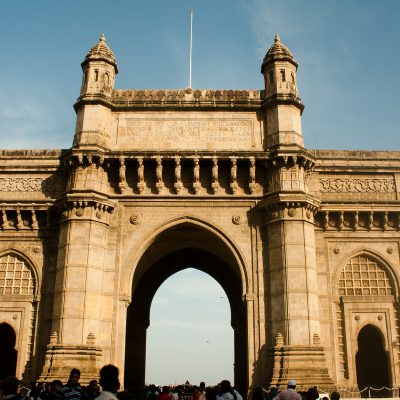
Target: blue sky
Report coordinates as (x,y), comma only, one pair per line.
(349,80)
(347,52)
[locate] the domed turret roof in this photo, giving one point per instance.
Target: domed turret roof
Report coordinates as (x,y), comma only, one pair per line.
(101,51)
(278,51)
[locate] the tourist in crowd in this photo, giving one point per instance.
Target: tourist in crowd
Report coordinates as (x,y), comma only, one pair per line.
(290,393)
(258,394)
(72,390)
(152,393)
(165,394)
(211,393)
(52,391)
(227,392)
(202,391)
(273,391)
(312,393)
(10,388)
(92,390)
(335,395)
(174,393)
(109,382)
(195,393)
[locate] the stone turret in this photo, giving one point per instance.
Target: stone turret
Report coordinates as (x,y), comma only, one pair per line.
(282,104)
(99,70)
(93,122)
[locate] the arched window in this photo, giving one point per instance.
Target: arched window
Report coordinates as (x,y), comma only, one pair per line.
(16,278)
(363,276)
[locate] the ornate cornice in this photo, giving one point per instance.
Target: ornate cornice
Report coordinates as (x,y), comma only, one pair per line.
(86,207)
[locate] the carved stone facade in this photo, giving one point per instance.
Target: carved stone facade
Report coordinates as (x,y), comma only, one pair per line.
(304,242)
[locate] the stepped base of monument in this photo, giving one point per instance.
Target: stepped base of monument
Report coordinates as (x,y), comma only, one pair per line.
(61,358)
(305,364)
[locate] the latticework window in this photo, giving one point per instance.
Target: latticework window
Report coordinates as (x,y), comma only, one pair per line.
(362,276)
(15,276)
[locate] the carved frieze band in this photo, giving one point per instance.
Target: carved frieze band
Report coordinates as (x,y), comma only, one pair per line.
(25,184)
(372,185)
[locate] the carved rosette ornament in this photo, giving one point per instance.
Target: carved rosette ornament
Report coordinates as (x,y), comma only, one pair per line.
(135,218)
(237,219)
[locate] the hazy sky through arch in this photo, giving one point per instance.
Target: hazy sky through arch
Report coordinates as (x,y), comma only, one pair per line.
(190,335)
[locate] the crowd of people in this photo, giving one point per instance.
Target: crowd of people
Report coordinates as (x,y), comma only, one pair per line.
(10,389)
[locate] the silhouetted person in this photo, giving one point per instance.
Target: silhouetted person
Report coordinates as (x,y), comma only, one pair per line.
(72,390)
(109,383)
(273,391)
(165,394)
(52,391)
(312,393)
(10,388)
(258,394)
(335,395)
(92,390)
(290,393)
(227,392)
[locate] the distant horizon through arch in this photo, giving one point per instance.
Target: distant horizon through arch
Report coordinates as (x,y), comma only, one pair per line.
(192,309)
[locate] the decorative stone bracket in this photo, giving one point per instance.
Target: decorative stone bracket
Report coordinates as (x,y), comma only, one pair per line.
(357,220)
(93,209)
(27,216)
(279,209)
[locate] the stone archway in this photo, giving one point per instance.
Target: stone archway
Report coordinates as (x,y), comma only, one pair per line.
(372,362)
(8,354)
(183,246)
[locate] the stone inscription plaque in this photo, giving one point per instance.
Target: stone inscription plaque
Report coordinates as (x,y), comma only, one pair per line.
(186,134)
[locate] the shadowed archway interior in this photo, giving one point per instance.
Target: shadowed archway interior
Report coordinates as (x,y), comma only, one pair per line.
(372,363)
(189,246)
(8,354)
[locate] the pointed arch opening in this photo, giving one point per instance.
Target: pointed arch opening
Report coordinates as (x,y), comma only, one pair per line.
(372,363)
(190,337)
(182,246)
(8,354)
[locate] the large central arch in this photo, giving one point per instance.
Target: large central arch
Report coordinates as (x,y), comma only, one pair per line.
(182,246)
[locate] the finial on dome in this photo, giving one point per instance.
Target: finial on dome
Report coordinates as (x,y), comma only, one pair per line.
(277,38)
(103,38)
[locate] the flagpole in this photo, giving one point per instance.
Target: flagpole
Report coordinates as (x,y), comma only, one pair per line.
(190,48)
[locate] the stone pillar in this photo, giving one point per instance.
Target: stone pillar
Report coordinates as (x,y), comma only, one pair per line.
(79,305)
(292,272)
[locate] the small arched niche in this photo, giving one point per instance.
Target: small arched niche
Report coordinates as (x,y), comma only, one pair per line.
(372,363)
(8,354)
